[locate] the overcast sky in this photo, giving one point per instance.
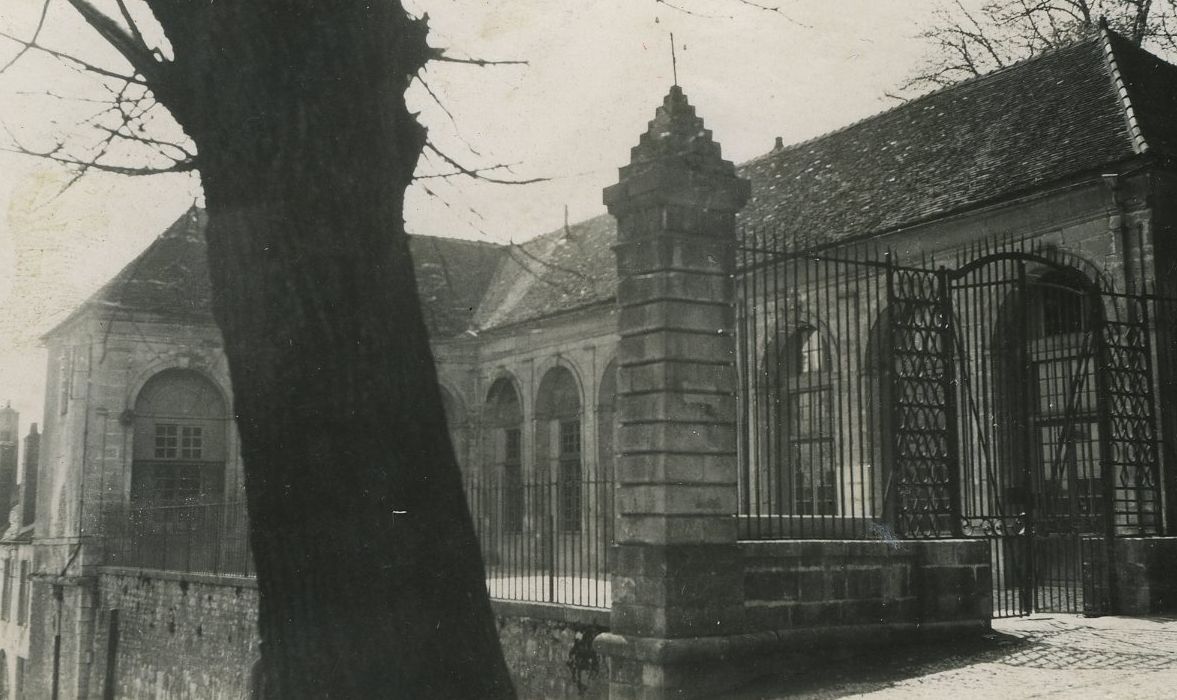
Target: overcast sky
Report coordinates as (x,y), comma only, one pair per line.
(596,71)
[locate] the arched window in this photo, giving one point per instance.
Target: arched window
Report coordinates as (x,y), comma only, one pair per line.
(807,479)
(504,420)
(179,440)
(558,443)
(1064,426)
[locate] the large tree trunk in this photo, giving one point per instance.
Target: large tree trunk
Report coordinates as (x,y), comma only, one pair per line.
(369,571)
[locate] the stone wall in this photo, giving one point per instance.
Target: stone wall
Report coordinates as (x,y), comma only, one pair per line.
(549,649)
(194,636)
(830,583)
(178,635)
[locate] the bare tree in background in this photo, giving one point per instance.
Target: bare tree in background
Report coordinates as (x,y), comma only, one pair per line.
(293,113)
(965,43)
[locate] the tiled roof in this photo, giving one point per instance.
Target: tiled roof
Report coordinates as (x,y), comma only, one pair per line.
(1059,116)
(453,276)
(558,271)
(170,278)
(1045,120)
(1042,121)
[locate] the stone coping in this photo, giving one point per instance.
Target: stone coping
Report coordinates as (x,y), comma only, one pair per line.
(1145,538)
(550,611)
(850,548)
(733,647)
(164,575)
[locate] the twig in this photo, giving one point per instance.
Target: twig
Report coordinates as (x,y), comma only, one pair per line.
(463,170)
(179,167)
(693,13)
(436,99)
(36,34)
(436,54)
(66,57)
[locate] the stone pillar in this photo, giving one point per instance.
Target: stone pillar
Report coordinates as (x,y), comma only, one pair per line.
(677,575)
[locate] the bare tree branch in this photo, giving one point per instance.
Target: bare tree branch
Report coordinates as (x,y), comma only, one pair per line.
(439,55)
(36,34)
(128,43)
(776,10)
(475,173)
(131,25)
(967,43)
(429,90)
(72,59)
(179,167)
(693,13)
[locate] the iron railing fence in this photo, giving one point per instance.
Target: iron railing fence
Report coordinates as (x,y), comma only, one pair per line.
(541,541)
(206,538)
(989,395)
(544,541)
(811,392)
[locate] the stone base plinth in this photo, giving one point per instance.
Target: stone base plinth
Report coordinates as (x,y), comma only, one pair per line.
(704,667)
(677,590)
(1146,575)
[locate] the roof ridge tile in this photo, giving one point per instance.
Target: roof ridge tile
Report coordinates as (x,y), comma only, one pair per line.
(1135,133)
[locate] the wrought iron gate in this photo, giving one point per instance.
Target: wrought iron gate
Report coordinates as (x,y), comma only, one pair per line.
(1051,417)
(1009,397)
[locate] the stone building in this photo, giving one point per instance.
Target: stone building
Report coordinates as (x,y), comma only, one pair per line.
(742,413)
(9,455)
(16,554)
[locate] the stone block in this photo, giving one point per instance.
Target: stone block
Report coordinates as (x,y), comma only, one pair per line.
(677,284)
(895,582)
(671,530)
(676,499)
(864,583)
(666,437)
(812,585)
(689,559)
(823,553)
(697,345)
(817,614)
(955,552)
(679,406)
(835,583)
(625,671)
(662,250)
(770,585)
(635,619)
(719,468)
(864,612)
(706,590)
(697,468)
(704,621)
(674,315)
(677,377)
(1146,575)
(624,589)
(769,617)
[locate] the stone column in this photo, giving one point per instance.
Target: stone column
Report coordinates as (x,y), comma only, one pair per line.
(677,575)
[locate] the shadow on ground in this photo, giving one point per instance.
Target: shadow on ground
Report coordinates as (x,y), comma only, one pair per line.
(1050,644)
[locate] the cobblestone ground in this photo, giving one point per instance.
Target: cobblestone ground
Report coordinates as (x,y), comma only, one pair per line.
(1046,656)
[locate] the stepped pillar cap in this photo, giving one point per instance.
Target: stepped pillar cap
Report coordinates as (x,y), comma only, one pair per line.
(677,155)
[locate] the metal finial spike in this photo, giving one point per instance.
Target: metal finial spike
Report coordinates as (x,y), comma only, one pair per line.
(673,60)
